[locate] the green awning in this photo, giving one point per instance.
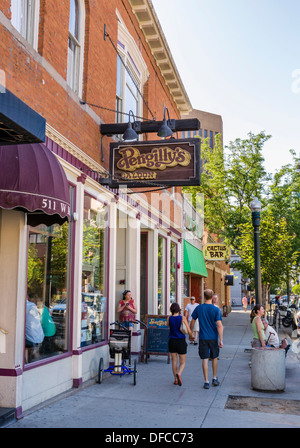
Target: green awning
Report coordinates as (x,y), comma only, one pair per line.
(193,260)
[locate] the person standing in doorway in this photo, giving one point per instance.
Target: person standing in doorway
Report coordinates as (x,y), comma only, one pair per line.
(127,309)
(210,335)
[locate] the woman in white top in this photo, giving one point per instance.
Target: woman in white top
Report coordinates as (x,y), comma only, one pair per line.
(188,314)
(270,334)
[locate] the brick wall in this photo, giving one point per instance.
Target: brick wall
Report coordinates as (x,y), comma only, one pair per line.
(39,77)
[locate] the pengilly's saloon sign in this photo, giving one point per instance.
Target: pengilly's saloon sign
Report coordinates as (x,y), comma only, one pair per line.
(155,163)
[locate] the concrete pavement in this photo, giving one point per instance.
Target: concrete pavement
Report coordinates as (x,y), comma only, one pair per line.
(155,402)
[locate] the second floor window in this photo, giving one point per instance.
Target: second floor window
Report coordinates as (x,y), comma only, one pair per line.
(75,46)
(25,18)
(127,95)
(132,74)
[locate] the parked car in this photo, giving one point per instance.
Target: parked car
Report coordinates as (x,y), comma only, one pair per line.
(58,314)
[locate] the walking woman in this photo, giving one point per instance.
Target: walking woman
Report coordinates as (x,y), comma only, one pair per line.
(257,326)
(177,342)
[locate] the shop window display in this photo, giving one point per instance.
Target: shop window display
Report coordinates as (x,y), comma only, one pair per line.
(47,303)
(93,296)
(173,276)
(161,275)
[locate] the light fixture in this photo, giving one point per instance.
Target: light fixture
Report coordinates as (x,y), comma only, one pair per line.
(165,129)
(255,205)
(130,133)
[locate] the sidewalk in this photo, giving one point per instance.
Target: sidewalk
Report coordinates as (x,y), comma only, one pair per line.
(156,403)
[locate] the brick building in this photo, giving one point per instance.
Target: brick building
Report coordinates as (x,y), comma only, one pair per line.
(66,69)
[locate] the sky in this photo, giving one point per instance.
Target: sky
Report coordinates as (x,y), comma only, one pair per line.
(240,59)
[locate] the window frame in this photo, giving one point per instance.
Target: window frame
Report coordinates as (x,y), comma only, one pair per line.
(26,22)
(132,58)
(164,256)
(69,291)
(87,192)
(173,260)
(75,65)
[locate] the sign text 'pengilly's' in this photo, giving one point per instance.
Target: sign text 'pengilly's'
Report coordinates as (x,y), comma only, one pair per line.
(167,162)
(158,159)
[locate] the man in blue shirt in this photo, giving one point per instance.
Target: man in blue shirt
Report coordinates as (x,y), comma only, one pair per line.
(211,329)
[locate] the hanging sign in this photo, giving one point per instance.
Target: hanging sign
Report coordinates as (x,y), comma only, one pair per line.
(216,251)
(155,163)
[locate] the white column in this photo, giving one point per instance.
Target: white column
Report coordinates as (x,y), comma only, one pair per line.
(77,269)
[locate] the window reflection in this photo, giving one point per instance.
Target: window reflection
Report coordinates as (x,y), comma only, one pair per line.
(173,278)
(47,304)
(94,304)
(161,275)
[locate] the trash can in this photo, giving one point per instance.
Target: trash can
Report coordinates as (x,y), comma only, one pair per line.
(224,310)
(268,369)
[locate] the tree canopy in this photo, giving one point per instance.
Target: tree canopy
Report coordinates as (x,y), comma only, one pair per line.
(231,177)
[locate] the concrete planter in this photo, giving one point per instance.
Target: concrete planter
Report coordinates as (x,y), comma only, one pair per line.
(268,369)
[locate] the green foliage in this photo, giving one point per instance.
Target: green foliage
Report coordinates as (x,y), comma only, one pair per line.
(296,290)
(278,259)
(230,180)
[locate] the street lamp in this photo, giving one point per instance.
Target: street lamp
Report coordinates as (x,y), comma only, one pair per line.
(255,209)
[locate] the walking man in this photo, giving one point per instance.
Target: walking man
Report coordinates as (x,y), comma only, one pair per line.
(210,331)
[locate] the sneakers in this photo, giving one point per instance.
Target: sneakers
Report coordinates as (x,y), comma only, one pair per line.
(215,382)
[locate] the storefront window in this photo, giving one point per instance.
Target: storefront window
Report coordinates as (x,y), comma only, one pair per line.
(94,303)
(187,285)
(161,275)
(173,276)
(47,304)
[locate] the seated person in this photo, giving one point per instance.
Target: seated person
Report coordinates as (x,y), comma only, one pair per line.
(272,339)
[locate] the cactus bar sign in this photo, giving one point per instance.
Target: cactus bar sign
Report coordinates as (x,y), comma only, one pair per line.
(155,163)
(216,251)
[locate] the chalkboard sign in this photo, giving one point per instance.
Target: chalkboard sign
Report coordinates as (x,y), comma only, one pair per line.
(157,335)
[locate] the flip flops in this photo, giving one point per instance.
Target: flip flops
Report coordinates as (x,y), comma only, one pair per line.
(178,379)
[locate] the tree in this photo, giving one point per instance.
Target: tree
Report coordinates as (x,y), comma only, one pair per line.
(230,179)
(278,258)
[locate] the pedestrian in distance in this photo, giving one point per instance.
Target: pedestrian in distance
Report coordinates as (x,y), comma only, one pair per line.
(177,343)
(188,314)
(215,300)
(245,303)
(210,335)
(257,326)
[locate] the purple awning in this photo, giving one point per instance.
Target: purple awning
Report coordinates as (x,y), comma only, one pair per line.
(33,180)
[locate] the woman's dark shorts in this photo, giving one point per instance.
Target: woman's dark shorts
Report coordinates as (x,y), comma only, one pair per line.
(177,346)
(208,348)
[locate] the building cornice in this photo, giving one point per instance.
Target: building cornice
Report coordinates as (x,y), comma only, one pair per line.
(151,28)
(72,149)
